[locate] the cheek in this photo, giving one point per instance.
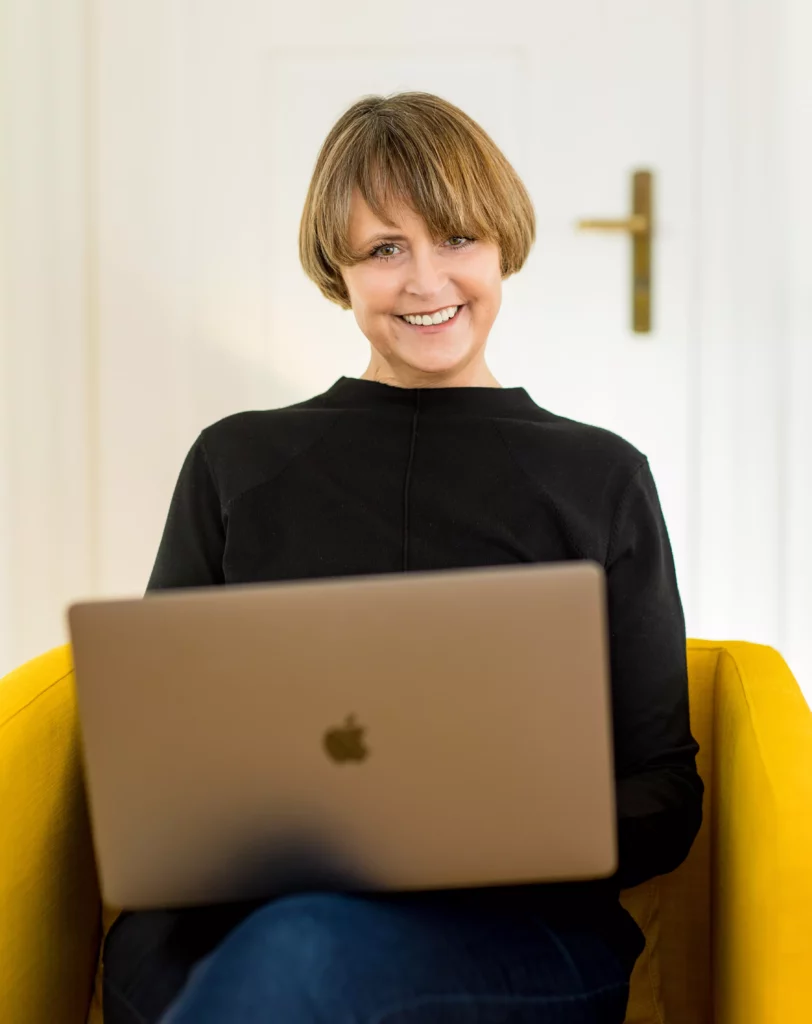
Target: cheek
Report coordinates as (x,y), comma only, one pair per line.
(374,296)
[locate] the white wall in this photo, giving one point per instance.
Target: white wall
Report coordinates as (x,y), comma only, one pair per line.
(46,321)
(753,372)
(794,163)
(754,263)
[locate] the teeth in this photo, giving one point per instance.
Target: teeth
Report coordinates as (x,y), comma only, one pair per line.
(437,318)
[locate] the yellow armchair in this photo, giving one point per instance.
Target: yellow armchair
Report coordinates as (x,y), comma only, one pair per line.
(727,934)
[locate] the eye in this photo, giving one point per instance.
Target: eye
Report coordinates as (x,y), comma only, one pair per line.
(386,245)
(465,239)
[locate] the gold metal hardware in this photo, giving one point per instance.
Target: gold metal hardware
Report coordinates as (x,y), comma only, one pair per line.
(640,226)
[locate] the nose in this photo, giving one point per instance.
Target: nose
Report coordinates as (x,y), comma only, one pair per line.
(426,277)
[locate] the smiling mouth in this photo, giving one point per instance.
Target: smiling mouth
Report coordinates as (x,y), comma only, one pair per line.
(400,316)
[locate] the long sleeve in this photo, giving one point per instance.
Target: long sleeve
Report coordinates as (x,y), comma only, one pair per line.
(190,553)
(659,792)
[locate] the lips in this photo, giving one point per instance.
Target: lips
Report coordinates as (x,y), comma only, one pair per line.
(431,312)
(400,316)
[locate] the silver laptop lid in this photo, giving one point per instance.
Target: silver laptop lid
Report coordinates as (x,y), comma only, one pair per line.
(419,730)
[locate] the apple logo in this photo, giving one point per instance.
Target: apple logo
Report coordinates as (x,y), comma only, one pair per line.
(346,742)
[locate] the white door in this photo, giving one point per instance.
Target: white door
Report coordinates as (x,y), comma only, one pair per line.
(211,115)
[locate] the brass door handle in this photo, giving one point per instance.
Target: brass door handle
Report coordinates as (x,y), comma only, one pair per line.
(640,226)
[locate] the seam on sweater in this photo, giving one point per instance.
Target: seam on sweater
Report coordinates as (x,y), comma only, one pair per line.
(560,519)
(202,443)
(618,507)
(407,483)
(226,509)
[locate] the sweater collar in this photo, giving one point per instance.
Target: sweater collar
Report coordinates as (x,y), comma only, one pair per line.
(357,392)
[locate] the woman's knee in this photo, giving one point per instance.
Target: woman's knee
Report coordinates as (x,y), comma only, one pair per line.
(293,952)
(306,935)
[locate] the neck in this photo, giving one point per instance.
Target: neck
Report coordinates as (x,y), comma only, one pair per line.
(471,377)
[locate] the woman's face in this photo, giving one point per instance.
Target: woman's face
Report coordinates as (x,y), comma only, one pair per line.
(421,276)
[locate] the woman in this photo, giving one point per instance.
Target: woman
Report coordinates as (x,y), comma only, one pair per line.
(426,462)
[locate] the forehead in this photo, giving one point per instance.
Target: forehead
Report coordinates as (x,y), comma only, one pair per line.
(364,223)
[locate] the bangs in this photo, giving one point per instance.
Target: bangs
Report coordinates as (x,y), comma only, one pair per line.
(399,173)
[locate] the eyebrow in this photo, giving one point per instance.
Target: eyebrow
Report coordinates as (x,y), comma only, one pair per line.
(387,236)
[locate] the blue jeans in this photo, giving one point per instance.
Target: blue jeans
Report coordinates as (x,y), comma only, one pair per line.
(465,957)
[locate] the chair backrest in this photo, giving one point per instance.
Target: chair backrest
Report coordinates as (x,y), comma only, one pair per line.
(49,895)
(685,894)
(671,981)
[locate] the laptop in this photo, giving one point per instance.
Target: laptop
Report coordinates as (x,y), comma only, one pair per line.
(422,730)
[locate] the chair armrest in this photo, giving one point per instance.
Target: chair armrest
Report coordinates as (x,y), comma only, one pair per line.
(50,911)
(761,840)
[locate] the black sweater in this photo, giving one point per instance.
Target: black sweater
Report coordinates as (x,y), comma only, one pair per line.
(371,478)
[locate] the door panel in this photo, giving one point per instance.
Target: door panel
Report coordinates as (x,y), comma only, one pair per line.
(202,186)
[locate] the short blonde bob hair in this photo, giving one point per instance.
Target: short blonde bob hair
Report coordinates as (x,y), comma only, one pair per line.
(415,149)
